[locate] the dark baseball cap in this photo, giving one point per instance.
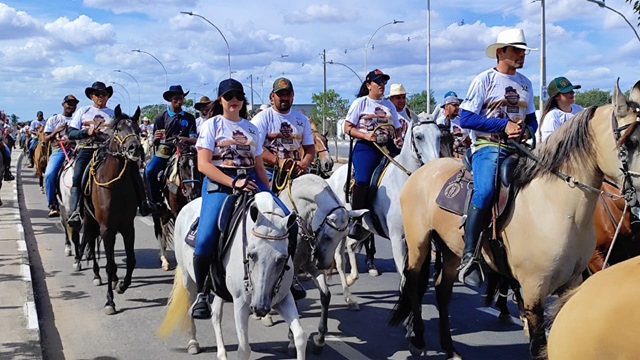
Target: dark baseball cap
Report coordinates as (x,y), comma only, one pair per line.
(377,74)
(282,84)
(70,99)
(229,85)
(39,113)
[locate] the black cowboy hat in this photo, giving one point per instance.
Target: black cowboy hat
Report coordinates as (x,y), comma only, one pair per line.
(98,86)
(174,90)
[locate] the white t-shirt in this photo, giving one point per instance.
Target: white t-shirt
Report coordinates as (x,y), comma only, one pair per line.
(146,127)
(235,144)
(284,133)
(84,117)
(36,123)
(367,113)
(453,123)
(554,118)
(53,123)
(493,94)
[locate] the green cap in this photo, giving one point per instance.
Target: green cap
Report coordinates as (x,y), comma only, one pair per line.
(560,85)
(282,84)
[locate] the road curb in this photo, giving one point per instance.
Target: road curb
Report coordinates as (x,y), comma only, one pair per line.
(30,310)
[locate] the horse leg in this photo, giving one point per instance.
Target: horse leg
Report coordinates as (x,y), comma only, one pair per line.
(370,251)
(444,290)
(129,236)
(351,251)
(241,314)
(338,256)
(325,298)
(287,309)
(159,233)
(111,268)
(534,313)
(216,320)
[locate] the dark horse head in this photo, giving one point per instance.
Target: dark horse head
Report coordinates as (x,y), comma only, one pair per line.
(190,178)
(123,134)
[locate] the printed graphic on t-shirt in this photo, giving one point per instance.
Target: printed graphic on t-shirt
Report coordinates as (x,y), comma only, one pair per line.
(285,143)
(381,115)
(236,152)
(511,107)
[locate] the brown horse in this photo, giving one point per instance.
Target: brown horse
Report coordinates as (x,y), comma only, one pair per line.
(112,203)
(548,232)
(41,156)
(322,164)
(599,320)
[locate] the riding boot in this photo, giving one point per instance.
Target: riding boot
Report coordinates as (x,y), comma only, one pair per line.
(145,206)
(469,271)
(201,308)
(297,290)
(7,173)
(359,198)
(75,220)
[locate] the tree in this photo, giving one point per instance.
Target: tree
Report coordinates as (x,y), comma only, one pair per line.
(14,118)
(636,8)
(418,102)
(336,109)
(593,97)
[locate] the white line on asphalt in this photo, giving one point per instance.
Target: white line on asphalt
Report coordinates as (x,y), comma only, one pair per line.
(345,350)
(496,313)
(22,245)
(26,272)
(31,314)
(146,221)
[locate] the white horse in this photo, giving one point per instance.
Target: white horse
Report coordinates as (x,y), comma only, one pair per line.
(64,196)
(263,283)
(323,223)
(421,145)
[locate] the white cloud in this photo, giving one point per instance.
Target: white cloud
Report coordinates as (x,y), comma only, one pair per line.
(80,32)
(320,13)
(17,24)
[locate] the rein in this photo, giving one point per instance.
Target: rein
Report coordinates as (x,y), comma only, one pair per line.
(287,177)
(93,169)
(385,151)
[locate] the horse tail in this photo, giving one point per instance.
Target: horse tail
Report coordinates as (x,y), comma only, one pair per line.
(177,307)
(554,309)
(414,287)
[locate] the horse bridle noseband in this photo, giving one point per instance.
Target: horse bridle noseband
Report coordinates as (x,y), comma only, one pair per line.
(413,141)
(628,190)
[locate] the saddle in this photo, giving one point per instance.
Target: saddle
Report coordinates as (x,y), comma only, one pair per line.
(65,166)
(169,175)
(456,193)
(234,208)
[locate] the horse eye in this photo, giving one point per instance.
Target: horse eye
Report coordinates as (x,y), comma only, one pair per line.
(281,259)
(252,256)
(419,137)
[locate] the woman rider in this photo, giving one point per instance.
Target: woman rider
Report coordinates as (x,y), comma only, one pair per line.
(366,112)
(228,132)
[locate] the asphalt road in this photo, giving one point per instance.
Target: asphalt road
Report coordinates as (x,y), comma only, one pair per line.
(73,325)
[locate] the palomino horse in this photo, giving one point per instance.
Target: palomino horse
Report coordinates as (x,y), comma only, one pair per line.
(40,157)
(258,275)
(180,187)
(548,232)
(599,319)
(421,145)
(112,205)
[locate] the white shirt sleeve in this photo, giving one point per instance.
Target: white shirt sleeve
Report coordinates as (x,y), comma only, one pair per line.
(207,136)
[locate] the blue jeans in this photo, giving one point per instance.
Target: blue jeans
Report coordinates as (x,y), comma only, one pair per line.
(56,161)
(485,162)
(366,158)
(208,233)
(151,171)
(33,142)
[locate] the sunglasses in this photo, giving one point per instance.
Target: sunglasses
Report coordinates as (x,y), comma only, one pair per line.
(101,93)
(380,81)
(233,94)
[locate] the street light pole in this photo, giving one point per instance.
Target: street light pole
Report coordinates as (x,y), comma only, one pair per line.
(220,78)
(368,41)
(602,5)
(543,59)
(125,90)
(166,82)
(134,79)
(221,34)
(345,65)
(429,57)
(265,68)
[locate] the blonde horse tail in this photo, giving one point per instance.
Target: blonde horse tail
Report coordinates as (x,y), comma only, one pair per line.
(177,307)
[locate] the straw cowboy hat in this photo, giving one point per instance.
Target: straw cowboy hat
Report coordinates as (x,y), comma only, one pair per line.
(509,37)
(203,101)
(397,89)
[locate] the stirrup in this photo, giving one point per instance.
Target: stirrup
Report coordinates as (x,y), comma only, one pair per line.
(470,272)
(75,220)
(201,308)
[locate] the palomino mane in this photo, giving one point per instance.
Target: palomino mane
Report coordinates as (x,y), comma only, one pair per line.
(567,149)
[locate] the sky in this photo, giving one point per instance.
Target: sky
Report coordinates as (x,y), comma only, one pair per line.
(51,48)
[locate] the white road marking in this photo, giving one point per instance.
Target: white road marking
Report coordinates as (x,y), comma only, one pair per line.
(31,314)
(345,350)
(26,272)
(22,245)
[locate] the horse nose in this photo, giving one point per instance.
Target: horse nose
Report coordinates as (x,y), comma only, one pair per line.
(260,311)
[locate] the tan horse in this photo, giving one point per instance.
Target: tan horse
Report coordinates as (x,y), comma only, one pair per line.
(41,156)
(599,320)
(548,232)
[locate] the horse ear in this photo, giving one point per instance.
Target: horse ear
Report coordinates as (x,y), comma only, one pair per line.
(136,115)
(619,101)
(635,93)
(117,111)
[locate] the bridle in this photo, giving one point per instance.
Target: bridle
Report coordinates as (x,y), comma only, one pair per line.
(628,190)
(189,156)
(414,147)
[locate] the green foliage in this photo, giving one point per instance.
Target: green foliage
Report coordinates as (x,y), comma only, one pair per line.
(14,118)
(593,97)
(418,102)
(336,109)
(636,8)
(536,101)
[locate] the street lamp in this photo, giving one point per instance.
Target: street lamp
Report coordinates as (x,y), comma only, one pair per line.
(221,34)
(353,71)
(265,68)
(134,79)
(368,41)
(125,90)
(220,78)
(602,5)
(166,83)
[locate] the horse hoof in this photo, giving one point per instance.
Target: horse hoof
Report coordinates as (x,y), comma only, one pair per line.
(267,321)
(119,287)
(291,350)
(165,266)
(109,310)
(374,272)
(97,281)
(351,280)
(67,250)
(455,356)
(506,319)
(415,351)
(318,344)
(77,266)
(193,348)
(353,306)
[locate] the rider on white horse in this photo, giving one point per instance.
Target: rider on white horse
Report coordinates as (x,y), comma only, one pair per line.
(229,147)
(368,111)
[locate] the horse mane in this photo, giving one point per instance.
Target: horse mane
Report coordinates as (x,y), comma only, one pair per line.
(569,147)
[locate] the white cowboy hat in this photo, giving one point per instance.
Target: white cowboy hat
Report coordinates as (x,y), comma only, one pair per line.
(509,37)
(397,89)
